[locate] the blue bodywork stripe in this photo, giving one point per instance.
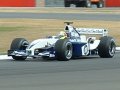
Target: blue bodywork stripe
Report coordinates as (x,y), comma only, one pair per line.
(77,49)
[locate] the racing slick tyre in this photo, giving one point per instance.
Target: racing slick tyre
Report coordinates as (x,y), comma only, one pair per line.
(19,44)
(107,47)
(63,50)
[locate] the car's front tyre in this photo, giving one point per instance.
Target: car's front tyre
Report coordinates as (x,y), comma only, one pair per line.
(19,44)
(63,50)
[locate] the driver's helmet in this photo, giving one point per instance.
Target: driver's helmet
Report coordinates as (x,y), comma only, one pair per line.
(62,35)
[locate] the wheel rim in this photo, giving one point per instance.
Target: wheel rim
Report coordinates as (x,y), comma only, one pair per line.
(24,45)
(68,52)
(112,49)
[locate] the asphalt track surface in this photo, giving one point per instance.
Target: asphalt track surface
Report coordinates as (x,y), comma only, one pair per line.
(88,73)
(67,16)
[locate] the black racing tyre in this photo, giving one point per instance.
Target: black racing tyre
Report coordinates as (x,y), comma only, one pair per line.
(107,47)
(100,4)
(88,3)
(19,44)
(63,50)
(20,58)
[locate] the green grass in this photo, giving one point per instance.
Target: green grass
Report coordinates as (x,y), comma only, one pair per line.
(9,29)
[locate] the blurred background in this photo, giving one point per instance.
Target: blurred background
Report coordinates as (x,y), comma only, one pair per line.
(59,3)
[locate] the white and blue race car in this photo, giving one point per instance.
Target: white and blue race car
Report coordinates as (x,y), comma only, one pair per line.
(70,43)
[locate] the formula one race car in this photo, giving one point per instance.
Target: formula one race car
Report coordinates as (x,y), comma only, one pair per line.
(70,43)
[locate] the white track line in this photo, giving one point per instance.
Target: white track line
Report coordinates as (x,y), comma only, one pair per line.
(4,57)
(118,48)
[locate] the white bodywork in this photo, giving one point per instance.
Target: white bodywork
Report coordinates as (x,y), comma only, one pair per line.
(40,43)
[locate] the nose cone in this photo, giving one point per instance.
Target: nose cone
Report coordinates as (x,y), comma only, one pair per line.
(42,43)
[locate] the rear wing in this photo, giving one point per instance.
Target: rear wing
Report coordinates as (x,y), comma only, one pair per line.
(88,31)
(92,31)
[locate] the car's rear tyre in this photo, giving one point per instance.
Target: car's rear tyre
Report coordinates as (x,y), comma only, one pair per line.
(107,47)
(63,50)
(19,44)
